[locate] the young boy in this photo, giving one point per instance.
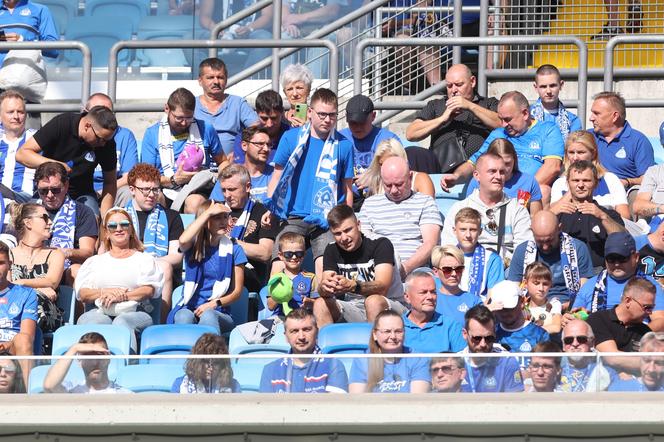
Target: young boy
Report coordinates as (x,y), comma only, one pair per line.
(484,268)
(291,252)
(548,106)
(545,312)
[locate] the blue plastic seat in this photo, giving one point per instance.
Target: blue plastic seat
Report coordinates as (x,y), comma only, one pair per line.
(248,373)
(352,337)
(278,344)
(74,376)
(263,311)
(62,11)
(118,338)
(171,339)
(445,200)
(167,57)
(149,378)
(100,33)
(181,23)
(134,10)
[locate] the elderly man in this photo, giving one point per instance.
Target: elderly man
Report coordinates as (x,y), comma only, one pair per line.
(409,219)
(427,331)
(308,375)
(460,122)
(651,368)
(13,175)
(548,106)
(179,134)
(447,374)
(567,257)
(505,222)
(622,150)
(79,142)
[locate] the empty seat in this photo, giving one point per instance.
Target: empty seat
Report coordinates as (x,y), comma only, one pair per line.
(118,338)
(248,373)
(278,344)
(352,337)
(62,11)
(170,339)
(100,33)
(134,10)
(147,378)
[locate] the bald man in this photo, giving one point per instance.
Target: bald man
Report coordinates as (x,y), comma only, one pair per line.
(461,112)
(409,219)
(557,250)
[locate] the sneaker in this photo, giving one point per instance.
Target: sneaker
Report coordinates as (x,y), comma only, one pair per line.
(607,32)
(634,18)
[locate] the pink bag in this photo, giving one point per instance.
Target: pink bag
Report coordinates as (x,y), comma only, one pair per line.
(191,158)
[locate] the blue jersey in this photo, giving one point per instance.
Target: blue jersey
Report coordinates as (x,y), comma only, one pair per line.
(150,146)
(495,375)
(316,376)
(13,174)
(520,186)
(126,149)
(494,272)
(258,189)
(632,385)
(523,339)
(305,171)
(628,155)
(454,307)
(303,284)
(437,336)
(396,376)
(233,115)
(364,149)
(614,290)
(578,379)
(17,303)
(542,140)
(32,21)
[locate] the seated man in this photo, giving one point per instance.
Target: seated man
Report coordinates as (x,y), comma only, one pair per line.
(177,137)
(409,219)
(359,275)
(544,370)
(651,368)
(14,175)
(427,331)
(95,370)
(75,228)
(447,374)
(157,227)
(548,106)
(651,254)
(649,201)
(582,217)
(318,375)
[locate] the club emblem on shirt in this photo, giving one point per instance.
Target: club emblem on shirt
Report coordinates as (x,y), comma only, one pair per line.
(596,229)
(90,156)
(622,154)
(25,12)
(534,145)
(463,307)
(14,310)
(490,382)
(324,198)
(526,347)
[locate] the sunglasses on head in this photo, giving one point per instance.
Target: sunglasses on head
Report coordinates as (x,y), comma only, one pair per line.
(290,255)
(123,225)
(45,190)
(569,340)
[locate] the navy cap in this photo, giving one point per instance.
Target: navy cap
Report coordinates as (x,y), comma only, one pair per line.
(661,134)
(619,243)
(359,108)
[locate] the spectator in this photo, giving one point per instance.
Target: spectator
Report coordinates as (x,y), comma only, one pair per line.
(651,368)
(27,21)
(122,282)
(126,150)
(650,196)
(612,27)
(542,311)
(427,331)
(14,175)
(78,142)
(303,375)
(463,114)
(548,106)
(389,374)
(447,374)
(410,220)
(581,216)
(74,230)
(305,183)
(518,185)
(506,223)
(35,265)
(212,375)
(227,114)
(609,192)
(158,227)
(359,274)
(95,370)
(214,275)
(545,370)
(622,150)
(651,253)
(448,264)
(487,375)
(174,142)
(11,377)
(559,251)
(296,81)
(483,268)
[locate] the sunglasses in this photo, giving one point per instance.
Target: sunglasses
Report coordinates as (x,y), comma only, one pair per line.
(447,271)
(43,216)
(45,190)
(123,225)
(646,307)
(490,339)
(617,259)
(8,369)
(569,340)
(290,255)
(445,369)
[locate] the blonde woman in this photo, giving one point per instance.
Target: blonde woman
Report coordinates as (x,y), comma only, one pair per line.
(452,302)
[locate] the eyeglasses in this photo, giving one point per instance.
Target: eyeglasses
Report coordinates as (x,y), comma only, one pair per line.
(492,226)
(299,254)
(324,115)
(569,340)
(261,144)
(489,339)
(617,259)
(645,307)
(387,331)
(445,369)
(98,139)
(535,366)
(181,119)
(43,216)
(45,190)
(8,369)
(123,225)
(147,190)
(447,271)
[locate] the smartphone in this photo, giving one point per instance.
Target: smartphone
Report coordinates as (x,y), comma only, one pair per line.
(301,111)
(3,37)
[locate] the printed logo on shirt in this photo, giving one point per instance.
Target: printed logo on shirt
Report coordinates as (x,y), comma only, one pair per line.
(390,386)
(463,308)
(324,198)
(490,382)
(622,154)
(14,309)
(526,347)
(25,12)
(534,145)
(90,156)
(301,286)
(596,229)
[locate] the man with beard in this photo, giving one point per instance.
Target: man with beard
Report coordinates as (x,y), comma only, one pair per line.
(651,367)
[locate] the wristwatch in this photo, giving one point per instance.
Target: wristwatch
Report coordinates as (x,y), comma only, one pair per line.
(173,182)
(219,302)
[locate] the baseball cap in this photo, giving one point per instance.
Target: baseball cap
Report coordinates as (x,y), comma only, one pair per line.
(359,108)
(619,243)
(507,292)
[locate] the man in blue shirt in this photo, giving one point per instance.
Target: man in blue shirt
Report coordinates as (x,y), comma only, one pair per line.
(548,107)
(651,367)
(303,375)
(426,330)
(23,20)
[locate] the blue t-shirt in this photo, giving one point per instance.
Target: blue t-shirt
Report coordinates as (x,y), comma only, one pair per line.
(316,376)
(520,182)
(437,336)
(454,307)
(305,171)
(495,375)
(32,21)
(234,387)
(558,288)
(126,149)
(614,290)
(631,385)
(365,148)
(238,153)
(258,189)
(541,141)
(628,155)
(17,303)
(396,376)
(233,115)
(522,340)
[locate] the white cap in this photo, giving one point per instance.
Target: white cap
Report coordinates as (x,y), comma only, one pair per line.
(507,293)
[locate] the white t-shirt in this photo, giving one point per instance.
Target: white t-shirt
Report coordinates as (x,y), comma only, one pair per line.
(542,315)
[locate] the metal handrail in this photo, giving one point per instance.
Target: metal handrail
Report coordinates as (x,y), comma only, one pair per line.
(86,70)
(475,41)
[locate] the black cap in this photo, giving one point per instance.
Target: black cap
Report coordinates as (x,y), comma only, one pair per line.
(619,243)
(358,109)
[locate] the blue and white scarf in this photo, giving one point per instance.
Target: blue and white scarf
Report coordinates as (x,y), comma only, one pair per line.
(155,236)
(190,387)
(599,300)
(64,227)
(476,275)
(193,276)
(240,226)
(569,263)
(324,190)
(563,119)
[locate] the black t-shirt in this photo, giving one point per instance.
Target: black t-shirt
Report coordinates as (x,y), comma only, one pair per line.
(589,229)
(175,226)
(651,262)
(59,141)
(86,222)
(607,327)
